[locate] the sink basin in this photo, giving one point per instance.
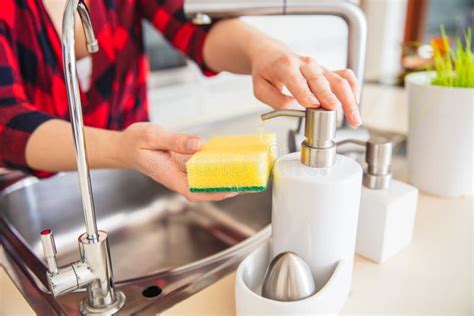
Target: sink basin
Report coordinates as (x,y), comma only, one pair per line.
(152,230)
(163,248)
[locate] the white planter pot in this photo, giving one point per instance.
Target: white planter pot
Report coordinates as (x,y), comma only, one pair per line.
(440,138)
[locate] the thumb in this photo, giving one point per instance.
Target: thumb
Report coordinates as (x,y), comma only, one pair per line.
(160,139)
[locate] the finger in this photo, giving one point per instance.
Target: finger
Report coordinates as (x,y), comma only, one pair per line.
(349,75)
(298,86)
(207,197)
(162,167)
(271,95)
(181,160)
(343,91)
(181,185)
(320,86)
(180,157)
(160,139)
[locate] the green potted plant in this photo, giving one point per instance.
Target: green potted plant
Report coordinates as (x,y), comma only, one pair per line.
(441,103)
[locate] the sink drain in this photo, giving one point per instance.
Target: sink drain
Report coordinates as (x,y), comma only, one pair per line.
(152,291)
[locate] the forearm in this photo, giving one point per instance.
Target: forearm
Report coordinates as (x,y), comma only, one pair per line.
(51,147)
(232,44)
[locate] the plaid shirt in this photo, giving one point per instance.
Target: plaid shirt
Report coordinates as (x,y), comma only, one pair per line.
(32,87)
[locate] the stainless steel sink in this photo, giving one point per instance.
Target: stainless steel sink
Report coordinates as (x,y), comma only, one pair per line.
(163,248)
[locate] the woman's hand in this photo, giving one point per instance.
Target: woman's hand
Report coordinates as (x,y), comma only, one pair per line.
(145,147)
(274,67)
(161,155)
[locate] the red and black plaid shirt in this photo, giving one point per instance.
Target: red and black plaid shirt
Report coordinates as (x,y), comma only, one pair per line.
(32,88)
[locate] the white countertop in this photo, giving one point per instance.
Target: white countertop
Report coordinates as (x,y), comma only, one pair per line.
(432,276)
(11,301)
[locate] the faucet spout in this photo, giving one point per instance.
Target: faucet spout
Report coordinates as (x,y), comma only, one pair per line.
(75,106)
(92,45)
(94,269)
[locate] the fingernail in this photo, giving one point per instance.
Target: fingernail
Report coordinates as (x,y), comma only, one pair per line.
(295,106)
(313,100)
(194,144)
(332,99)
(229,195)
(356,119)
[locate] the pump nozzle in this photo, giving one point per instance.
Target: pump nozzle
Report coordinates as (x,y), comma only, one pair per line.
(318,150)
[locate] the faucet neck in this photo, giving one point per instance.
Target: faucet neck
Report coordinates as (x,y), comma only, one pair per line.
(94,269)
(75,106)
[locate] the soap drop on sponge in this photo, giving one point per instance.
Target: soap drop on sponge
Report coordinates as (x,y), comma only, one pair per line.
(239,163)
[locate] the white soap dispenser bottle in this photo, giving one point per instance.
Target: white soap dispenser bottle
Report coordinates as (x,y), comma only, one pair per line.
(316,195)
(387,208)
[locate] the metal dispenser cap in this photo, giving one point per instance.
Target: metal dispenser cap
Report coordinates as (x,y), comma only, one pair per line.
(318,150)
(378,157)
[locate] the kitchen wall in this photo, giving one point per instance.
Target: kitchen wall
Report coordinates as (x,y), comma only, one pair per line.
(181,97)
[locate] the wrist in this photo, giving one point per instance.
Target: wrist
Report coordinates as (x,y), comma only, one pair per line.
(111,150)
(265,48)
(118,156)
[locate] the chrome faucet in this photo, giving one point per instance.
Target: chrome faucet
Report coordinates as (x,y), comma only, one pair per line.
(203,11)
(94,269)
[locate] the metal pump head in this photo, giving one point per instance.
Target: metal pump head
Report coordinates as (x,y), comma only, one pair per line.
(319,149)
(378,155)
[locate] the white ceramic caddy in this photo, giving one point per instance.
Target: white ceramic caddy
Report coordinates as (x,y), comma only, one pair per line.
(440,139)
(386,221)
(315,211)
(329,300)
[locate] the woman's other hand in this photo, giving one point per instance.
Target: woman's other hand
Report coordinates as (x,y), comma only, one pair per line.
(162,155)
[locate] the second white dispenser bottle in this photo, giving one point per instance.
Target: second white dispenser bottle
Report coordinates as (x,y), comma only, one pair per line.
(316,196)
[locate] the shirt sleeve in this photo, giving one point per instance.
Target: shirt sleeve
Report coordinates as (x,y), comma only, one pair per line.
(18,117)
(168,17)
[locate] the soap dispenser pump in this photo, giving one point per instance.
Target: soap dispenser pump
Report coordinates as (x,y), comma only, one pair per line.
(387,208)
(316,195)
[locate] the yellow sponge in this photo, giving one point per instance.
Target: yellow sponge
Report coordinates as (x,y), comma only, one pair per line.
(232,164)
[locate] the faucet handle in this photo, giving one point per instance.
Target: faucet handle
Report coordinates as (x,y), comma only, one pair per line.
(49,250)
(67,278)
